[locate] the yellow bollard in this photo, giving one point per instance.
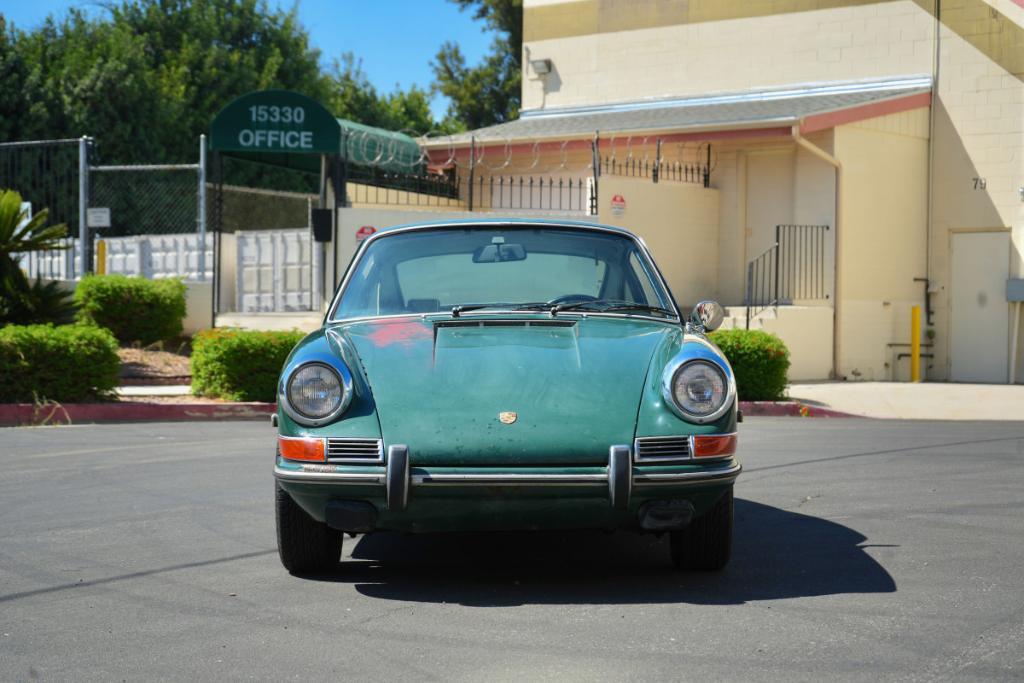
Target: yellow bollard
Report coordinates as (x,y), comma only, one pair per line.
(915,344)
(101,257)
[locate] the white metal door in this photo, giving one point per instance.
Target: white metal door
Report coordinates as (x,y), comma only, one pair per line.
(980,314)
(275,271)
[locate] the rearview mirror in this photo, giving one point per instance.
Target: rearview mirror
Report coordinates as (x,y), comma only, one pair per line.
(707,315)
(499,253)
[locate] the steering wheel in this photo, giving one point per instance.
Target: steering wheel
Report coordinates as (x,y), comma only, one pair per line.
(565,298)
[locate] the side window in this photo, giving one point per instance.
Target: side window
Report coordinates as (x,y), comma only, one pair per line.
(640,277)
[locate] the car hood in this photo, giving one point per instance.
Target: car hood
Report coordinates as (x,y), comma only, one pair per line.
(574,385)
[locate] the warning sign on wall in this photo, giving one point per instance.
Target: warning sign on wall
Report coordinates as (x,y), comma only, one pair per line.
(618,205)
(364,232)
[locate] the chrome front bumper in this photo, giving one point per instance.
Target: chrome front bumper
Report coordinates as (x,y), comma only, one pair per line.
(620,476)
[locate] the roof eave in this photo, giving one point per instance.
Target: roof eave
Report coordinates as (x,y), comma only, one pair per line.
(785,122)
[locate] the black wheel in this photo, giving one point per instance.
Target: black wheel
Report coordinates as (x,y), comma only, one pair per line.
(305,545)
(707,543)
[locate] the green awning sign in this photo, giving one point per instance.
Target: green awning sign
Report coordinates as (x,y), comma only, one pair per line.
(275,121)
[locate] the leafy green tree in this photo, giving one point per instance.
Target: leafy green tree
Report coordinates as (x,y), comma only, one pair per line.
(489,92)
(21,301)
(13,108)
(353,97)
(148,78)
(91,77)
(204,53)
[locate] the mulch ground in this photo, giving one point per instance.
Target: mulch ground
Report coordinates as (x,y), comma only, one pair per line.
(153,366)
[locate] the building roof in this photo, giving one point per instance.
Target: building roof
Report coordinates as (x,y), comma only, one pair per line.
(770,108)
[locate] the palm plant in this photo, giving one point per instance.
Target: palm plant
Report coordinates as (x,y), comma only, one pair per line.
(22,301)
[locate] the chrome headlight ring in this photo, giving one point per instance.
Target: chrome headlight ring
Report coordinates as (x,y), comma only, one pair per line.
(344,376)
(694,352)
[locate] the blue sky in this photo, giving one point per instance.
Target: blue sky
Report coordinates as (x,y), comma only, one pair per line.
(396,39)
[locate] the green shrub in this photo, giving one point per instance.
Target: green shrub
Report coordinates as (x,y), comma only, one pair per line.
(760,361)
(240,365)
(68,363)
(35,302)
(133,308)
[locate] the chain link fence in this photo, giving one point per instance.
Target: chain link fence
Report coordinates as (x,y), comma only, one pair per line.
(146,200)
(251,208)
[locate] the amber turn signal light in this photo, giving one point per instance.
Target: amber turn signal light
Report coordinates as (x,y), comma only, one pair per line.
(714,445)
(299,448)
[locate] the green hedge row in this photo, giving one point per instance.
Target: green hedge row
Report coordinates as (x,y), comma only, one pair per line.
(133,308)
(760,361)
(68,363)
(240,365)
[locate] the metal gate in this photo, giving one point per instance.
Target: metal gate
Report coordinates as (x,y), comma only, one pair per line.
(162,204)
(276,271)
(48,175)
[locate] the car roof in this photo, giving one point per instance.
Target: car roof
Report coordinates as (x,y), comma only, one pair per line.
(509,221)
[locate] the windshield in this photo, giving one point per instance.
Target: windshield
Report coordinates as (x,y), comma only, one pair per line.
(431,271)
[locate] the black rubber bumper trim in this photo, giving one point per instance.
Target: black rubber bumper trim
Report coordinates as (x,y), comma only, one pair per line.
(397,479)
(620,477)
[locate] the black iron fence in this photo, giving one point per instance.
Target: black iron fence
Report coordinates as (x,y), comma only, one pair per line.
(530,193)
(372,185)
(792,269)
(675,171)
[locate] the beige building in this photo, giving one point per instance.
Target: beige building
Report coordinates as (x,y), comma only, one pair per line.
(819,166)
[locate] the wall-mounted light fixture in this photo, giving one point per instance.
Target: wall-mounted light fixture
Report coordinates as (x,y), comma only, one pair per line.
(541,67)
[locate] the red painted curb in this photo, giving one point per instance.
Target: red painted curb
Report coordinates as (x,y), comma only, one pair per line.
(788,409)
(128,411)
(139,411)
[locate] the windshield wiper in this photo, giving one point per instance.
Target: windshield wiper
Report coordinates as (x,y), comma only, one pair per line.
(529,306)
(465,308)
(535,306)
(609,306)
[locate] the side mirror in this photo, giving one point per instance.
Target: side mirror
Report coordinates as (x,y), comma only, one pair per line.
(707,316)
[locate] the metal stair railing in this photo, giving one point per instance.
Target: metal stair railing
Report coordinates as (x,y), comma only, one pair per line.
(792,268)
(762,283)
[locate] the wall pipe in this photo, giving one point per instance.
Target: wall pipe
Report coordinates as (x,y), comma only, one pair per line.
(837,248)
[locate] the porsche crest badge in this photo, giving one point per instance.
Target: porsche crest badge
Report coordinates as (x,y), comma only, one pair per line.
(507,417)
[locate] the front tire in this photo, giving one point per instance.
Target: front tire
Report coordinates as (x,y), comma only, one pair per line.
(706,544)
(305,545)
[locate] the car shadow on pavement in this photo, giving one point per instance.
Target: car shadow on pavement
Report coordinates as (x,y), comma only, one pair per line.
(776,554)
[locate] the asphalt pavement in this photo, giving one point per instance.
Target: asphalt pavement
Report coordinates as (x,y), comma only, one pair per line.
(864,550)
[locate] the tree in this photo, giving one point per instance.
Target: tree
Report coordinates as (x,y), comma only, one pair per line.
(204,53)
(90,77)
(353,97)
(21,301)
(489,92)
(148,78)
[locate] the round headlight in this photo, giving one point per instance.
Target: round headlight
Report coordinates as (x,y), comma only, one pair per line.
(315,391)
(700,388)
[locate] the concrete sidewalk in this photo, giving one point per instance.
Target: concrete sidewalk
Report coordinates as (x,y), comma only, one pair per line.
(139,391)
(923,401)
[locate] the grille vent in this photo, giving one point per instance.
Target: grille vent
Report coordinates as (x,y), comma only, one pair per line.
(652,449)
(354,450)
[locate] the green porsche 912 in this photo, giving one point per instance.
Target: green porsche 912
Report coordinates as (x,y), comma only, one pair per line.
(506,375)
